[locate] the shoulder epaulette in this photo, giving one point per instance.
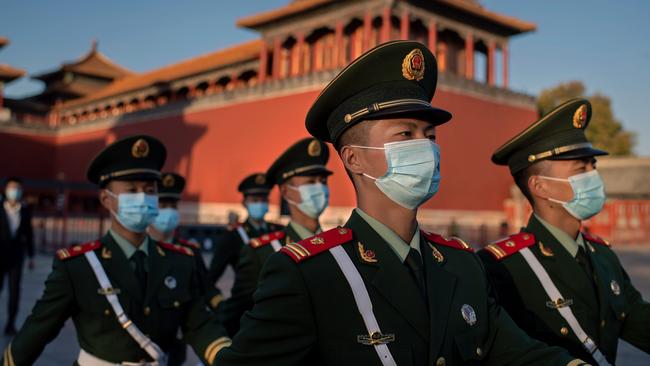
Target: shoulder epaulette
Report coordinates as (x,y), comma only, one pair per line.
(506,247)
(324,241)
(452,242)
(189,244)
(177,248)
(77,250)
(596,239)
(267,238)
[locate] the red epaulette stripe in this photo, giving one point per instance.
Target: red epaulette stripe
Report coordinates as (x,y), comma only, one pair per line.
(596,239)
(452,242)
(506,247)
(322,242)
(267,238)
(77,250)
(188,243)
(177,248)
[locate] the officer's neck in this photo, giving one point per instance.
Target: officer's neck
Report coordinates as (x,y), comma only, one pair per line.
(159,235)
(299,217)
(400,220)
(136,239)
(256,223)
(556,215)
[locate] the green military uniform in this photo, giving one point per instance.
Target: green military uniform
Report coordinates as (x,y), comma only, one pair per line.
(171,189)
(171,300)
(312,309)
(227,248)
(303,158)
(585,270)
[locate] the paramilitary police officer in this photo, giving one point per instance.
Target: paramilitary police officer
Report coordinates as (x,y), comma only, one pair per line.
(378,291)
(127,294)
(255,190)
(163,229)
(562,286)
(301,176)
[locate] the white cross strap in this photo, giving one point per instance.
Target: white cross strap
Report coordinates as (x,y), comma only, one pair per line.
(243,235)
(145,343)
(275,243)
(364,304)
(565,311)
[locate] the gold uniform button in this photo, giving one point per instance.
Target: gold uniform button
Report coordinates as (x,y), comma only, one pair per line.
(441,361)
(177,304)
(564,331)
(602,323)
(107,312)
(147,311)
(479,351)
(622,315)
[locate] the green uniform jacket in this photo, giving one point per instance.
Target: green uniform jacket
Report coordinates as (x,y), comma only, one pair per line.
(71,291)
(226,250)
(305,313)
(604,315)
(247,273)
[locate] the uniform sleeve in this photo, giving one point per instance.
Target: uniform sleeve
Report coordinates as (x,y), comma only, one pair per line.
(201,330)
(241,299)
(270,331)
(636,327)
(226,251)
(48,316)
(509,345)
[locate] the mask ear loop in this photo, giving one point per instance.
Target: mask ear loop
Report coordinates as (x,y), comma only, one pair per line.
(368,148)
(557,180)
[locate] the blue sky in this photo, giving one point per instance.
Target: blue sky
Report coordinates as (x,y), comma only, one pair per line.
(601,42)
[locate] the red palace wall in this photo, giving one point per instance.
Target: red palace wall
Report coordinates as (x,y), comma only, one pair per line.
(216,147)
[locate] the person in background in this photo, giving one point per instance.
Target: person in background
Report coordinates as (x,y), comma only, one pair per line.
(16,241)
(255,197)
(301,175)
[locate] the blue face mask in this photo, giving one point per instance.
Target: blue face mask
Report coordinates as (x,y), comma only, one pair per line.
(315,198)
(13,194)
(135,211)
(257,210)
(588,194)
(167,220)
(413,173)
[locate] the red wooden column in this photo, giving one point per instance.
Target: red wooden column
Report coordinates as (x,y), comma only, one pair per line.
(264,61)
(299,56)
(433,36)
(385,25)
(405,25)
(504,56)
(338,44)
(491,58)
(469,56)
(277,56)
(367,27)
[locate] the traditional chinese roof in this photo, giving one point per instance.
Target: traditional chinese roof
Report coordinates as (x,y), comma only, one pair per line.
(625,178)
(473,8)
(242,52)
(94,63)
(9,73)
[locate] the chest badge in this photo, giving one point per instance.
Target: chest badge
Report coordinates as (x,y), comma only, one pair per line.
(616,289)
(170,282)
(468,314)
(376,338)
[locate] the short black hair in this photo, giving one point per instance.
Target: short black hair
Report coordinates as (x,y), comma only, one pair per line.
(13,179)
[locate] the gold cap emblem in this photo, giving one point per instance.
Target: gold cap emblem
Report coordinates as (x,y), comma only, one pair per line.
(260,179)
(580,116)
(314,148)
(168,181)
(140,149)
(413,65)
